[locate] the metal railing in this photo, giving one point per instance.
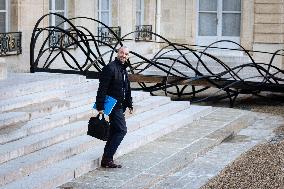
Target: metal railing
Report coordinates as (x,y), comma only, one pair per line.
(59,39)
(10,43)
(143,33)
(175,69)
(105,36)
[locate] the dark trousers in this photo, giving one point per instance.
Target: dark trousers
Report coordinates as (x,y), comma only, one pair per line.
(118,130)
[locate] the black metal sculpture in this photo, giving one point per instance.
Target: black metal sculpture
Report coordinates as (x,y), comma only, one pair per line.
(45,54)
(176,66)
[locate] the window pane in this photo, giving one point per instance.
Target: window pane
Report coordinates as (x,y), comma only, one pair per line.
(105,18)
(2,22)
(105,4)
(59,4)
(231,25)
(207,24)
(231,5)
(207,5)
(59,20)
(50,4)
(50,20)
(2,4)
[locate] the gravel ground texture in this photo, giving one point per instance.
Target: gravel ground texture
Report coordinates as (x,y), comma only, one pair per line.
(262,167)
(259,168)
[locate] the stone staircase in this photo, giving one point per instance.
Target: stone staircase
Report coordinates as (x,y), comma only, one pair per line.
(187,157)
(43,125)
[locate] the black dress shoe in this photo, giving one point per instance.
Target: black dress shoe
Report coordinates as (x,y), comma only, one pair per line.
(110,164)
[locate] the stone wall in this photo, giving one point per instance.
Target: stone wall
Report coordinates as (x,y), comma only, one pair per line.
(25,16)
(177,19)
(269,29)
(262,23)
(269,25)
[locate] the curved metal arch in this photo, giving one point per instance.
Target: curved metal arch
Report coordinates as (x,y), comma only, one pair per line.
(82,39)
(225,79)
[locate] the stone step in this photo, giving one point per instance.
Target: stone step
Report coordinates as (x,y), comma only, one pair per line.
(43,157)
(25,128)
(21,84)
(9,171)
(9,118)
(20,101)
(81,88)
(51,94)
(20,124)
(204,136)
(53,105)
(163,127)
(145,118)
(42,124)
(149,103)
(77,165)
(197,173)
(151,164)
(41,140)
(44,107)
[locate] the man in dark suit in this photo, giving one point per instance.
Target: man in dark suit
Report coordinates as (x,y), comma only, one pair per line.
(114,82)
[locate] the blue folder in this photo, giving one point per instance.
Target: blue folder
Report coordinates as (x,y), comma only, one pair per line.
(109,104)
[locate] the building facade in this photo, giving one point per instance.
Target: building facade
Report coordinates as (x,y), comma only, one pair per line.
(257,25)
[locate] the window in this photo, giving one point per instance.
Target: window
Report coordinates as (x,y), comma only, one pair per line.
(104,11)
(59,7)
(219,18)
(231,15)
(4,16)
(59,38)
(139,12)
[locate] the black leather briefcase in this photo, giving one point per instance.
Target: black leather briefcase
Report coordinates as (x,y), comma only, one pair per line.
(98,127)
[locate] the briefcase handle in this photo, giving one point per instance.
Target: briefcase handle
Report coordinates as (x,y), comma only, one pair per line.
(103,117)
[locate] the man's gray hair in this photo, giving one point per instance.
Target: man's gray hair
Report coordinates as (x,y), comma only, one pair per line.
(122,47)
